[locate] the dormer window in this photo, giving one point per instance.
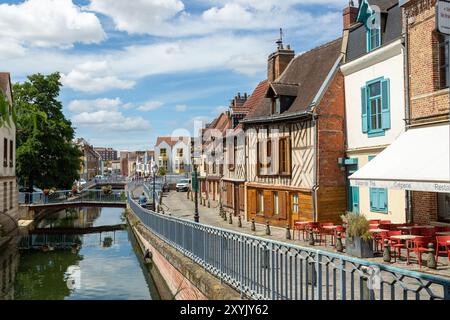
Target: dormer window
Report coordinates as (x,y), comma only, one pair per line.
(373,33)
(276,105)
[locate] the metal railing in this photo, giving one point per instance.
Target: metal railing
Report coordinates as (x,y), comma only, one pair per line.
(66,196)
(264,269)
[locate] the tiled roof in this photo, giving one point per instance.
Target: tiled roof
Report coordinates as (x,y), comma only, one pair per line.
(171,141)
(307,73)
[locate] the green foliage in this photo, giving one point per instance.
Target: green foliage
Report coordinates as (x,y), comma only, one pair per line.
(46,156)
(162,172)
(357,225)
(5,115)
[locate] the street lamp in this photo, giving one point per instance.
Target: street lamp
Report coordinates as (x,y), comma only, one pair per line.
(154,170)
(195,189)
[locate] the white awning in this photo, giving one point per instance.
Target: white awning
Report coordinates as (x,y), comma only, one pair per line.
(418,160)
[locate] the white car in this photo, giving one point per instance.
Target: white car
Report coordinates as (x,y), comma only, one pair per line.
(183,185)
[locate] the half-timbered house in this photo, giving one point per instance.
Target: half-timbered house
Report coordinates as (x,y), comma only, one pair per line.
(295,136)
(234,172)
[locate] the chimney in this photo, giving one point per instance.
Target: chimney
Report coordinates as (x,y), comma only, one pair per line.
(279,60)
(349,15)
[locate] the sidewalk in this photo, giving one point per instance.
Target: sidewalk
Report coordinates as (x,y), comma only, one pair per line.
(178,205)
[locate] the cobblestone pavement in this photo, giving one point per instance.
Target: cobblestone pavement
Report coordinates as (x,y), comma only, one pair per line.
(178,205)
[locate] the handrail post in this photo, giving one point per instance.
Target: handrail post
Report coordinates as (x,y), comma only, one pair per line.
(343,280)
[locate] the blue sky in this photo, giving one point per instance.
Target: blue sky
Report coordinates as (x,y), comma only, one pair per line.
(133,70)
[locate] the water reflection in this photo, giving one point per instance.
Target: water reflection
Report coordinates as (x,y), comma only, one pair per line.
(92,266)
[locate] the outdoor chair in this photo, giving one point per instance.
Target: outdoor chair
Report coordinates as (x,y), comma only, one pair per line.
(442,243)
(300,227)
(374,221)
(327,232)
(385,222)
(420,245)
(395,244)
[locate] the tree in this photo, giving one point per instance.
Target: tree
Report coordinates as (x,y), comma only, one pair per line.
(46,156)
(161,172)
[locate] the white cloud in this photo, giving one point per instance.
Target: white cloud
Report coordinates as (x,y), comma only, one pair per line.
(90,77)
(104,120)
(180,108)
(79,106)
(150,106)
(231,13)
(137,16)
(220,109)
(49,23)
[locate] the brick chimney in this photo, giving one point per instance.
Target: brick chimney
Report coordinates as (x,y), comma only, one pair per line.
(349,15)
(279,60)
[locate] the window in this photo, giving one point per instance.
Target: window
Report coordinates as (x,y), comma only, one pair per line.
(264,156)
(276,208)
(276,106)
(5,152)
(375,107)
(11,195)
(11,153)
(443,61)
(260,202)
(295,207)
(163,152)
(285,154)
(235,143)
(373,33)
(378,198)
(5,196)
(180,153)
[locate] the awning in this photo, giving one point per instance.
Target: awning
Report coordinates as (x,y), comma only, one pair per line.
(418,160)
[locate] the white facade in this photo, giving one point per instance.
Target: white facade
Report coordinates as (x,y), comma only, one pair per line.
(164,159)
(181,157)
(384,63)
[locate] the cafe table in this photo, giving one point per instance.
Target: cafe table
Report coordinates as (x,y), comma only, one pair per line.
(405,237)
(409,228)
(446,233)
(376,231)
(300,224)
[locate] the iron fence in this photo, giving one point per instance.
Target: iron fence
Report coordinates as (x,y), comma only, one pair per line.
(264,269)
(66,196)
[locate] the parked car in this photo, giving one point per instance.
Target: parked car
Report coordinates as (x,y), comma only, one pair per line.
(183,185)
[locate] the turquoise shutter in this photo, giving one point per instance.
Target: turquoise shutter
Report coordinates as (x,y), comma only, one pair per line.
(385,105)
(364,120)
(374,198)
(383,200)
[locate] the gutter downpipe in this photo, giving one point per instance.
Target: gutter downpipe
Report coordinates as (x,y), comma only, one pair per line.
(409,214)
(315,187)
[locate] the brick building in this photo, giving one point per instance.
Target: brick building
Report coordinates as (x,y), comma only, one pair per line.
(295,136)
(107,154)
(429,93)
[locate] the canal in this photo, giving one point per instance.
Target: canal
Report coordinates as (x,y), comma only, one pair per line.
(55,266)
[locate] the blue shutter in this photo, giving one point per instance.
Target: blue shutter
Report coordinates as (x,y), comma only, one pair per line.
(385,105)
(364,119)
(383,200)
(355,200)
(373,199)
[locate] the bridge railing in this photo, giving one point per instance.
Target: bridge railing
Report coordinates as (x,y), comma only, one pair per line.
(66,196)
(264,269)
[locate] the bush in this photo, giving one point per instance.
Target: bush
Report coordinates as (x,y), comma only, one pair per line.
(357,225)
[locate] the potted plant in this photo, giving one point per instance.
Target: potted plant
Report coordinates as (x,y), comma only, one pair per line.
(358,241)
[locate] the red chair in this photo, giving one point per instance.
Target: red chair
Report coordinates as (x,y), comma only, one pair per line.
(327,232)
(395,244)
(374,221)
(300,226)
(316,229)
(442,242)
(420,245)
(385,222)
(427,232)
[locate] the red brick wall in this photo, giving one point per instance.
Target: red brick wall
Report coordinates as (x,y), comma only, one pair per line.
(424,205)
(331,136)
(332,194)
(427,99)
